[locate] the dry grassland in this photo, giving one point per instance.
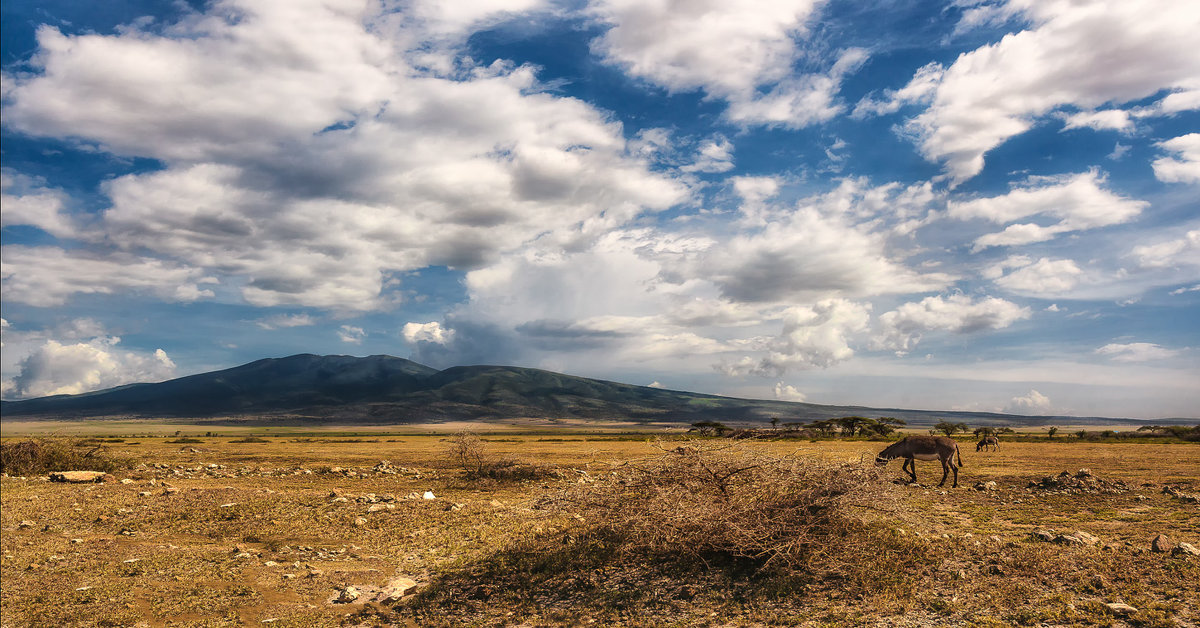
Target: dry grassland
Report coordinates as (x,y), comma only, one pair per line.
(221,533)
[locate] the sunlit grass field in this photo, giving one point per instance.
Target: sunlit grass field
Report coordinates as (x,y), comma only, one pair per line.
(226,533)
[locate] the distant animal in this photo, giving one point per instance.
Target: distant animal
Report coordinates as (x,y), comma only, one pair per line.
(922,447)
(988,440)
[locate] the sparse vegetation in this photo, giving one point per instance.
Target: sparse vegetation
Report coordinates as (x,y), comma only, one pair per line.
(40,456)
(469,452)
(621,534)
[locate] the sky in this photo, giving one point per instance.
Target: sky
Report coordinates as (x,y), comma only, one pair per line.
(969,205)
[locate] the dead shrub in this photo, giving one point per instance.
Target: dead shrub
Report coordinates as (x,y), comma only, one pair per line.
(701,526)
(41,456)
(728,503)
(468,452)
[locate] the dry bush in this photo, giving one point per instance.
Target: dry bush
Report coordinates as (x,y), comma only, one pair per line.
(729,502)
(699,528)
(468,452)
(249,439)
(41,456)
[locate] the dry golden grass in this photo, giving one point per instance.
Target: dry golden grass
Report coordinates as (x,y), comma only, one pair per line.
(200,556)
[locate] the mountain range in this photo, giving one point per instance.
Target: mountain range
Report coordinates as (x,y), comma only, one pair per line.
(382,389)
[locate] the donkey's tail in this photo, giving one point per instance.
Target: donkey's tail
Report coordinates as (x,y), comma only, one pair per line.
(957,451)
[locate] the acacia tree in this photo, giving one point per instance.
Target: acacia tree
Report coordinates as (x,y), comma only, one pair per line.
(949,428)
(852,425)
(1051,432)
(711,428)
(885,425)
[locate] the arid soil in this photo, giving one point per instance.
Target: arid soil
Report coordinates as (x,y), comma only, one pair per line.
(221,533)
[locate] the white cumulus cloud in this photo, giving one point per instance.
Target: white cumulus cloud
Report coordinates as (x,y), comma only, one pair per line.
(1185,166)
(1077,202)
(426,332)
(787,392)
(1082,55)
(55,368)
(901,329)
(1034,403)
(1136,352)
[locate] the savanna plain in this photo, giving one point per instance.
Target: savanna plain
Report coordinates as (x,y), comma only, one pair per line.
(538,527)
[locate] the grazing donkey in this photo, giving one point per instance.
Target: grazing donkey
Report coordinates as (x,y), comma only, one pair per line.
(988,440)
(921,447)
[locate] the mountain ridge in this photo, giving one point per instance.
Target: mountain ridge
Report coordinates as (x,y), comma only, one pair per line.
(386,389)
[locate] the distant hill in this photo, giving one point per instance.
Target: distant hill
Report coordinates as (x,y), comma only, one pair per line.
(382,389)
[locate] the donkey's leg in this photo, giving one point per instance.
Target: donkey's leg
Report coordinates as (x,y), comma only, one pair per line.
(910,465)
(945,471)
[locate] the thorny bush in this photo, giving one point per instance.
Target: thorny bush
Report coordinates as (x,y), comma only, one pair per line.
(45,455)
(729,502)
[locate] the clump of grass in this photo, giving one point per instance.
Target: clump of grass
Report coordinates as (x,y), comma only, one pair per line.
(45,455)
(250,439)
(185,440)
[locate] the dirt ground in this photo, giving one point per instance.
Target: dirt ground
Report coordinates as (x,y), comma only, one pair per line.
(225,533)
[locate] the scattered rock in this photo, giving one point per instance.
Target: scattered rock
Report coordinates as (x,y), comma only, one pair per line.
(1185,549)
(985,486)
(126,481)
(1161,543)
(1081,482)
(453,506)
(396,589)
(25,525)
(346,595)
(428,495)
(1078,538)
(81,477)
(1177,493)
(1121,609)
(360,522)
(377,507)
(1043,535)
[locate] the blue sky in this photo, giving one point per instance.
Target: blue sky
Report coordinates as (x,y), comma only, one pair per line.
(972,205)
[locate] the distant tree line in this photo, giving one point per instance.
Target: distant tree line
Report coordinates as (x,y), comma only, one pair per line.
(865,427)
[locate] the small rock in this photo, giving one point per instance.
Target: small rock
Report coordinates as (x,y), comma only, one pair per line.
(396,589)
(80,477)
(1185,549)
(1043,535)
(1161,543)
(1121,609)
(1087,539)
(270,563)
(428,495)
(126,481)
(376,507)
(346,595)
(360,522)
(452,506)
(25,525)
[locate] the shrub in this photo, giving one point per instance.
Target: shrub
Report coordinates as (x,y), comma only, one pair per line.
(185,440)
(45,455)
(468,452)
(726,503)
(250,439)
